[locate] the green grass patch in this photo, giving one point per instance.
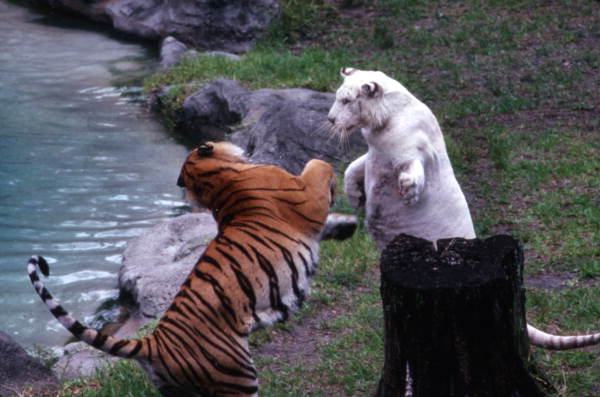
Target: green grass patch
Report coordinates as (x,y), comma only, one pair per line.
(576,309)
(300,19)
(348,362)
(261,68)
(123,379)
(573,373)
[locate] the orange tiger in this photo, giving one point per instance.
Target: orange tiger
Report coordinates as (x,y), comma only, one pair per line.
(255,272)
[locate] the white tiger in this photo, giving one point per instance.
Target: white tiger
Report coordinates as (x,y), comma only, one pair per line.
(405,180)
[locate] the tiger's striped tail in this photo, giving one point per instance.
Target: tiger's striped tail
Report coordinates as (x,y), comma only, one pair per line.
(114,346)
(555,342)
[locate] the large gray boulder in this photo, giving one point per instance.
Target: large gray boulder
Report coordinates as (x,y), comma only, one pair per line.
(156,263)
(19,371)
(230,25)
(171,52)
(284,127)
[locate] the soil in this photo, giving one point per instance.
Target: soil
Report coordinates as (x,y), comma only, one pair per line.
(301,345)
(551,281)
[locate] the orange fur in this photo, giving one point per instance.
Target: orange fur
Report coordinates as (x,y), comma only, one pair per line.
(255,272)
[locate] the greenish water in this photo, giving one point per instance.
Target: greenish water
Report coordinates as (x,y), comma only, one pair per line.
(83,168)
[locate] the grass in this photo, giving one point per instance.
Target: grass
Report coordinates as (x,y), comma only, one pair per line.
(123,379)
(348,359)
(514,86)
(264,67)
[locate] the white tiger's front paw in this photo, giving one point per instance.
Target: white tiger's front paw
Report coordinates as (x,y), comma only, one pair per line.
(411,187)
(356,194)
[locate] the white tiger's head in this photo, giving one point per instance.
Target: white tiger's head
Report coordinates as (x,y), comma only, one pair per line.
(364,100)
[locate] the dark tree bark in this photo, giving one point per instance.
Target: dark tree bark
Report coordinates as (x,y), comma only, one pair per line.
(455,318)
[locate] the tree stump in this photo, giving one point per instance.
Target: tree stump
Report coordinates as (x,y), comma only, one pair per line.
(455,318)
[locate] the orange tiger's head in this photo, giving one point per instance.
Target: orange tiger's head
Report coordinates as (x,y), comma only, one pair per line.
(218,176)
(207,168)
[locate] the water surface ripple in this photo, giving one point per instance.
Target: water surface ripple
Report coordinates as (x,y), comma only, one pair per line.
(83,168)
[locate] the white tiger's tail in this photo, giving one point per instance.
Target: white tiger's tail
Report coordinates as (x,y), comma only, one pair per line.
(114,346)
(555,342)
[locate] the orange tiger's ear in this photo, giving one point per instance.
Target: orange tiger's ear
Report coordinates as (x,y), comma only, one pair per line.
(205,150)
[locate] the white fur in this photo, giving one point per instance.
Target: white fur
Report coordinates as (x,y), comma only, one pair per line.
(229,149)
(405,179)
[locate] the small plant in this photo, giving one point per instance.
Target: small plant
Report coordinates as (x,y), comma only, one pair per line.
(499,147)
(382,37)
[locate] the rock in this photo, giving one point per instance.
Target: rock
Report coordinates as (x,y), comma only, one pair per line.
(171,52)
(81,360)
(230,25)
(227,55)
(284,127)
(19,371)
(207,114)
(156,263)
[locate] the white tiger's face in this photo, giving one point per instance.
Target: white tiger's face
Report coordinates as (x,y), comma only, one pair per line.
(359,102)
(345,114)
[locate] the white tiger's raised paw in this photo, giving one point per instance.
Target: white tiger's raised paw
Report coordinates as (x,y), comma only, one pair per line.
(411,186)
(355,193)
(411,182)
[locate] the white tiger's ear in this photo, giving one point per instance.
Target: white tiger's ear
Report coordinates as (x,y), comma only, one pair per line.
(345,72)
(371,89)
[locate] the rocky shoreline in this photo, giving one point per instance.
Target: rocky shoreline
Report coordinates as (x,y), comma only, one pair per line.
(232,25)
(284,127)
